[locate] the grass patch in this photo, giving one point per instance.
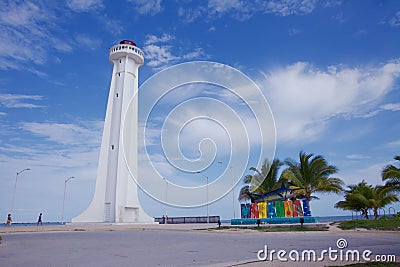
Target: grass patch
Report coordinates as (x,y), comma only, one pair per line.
(270,228)
(392,224)
(373,264)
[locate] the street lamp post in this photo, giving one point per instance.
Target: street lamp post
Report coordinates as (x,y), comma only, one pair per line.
(233,197)
(15,188)
(65,190)
(208,217)
(166,200)
(233,190)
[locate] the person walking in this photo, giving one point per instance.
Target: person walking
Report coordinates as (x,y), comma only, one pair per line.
(40,220)
(9,220)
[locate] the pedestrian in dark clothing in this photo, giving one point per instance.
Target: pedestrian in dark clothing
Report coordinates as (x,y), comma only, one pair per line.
(40,220)
(301,221)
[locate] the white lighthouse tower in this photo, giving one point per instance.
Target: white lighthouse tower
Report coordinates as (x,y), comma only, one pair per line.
(116,198)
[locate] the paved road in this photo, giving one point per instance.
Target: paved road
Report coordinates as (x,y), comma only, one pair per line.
(173,247)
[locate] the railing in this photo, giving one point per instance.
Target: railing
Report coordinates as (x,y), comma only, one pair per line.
(394,211)
(379,212)
(179,220)
(119,47)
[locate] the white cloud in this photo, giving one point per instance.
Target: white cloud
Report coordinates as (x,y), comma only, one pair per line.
(294,31)
(34,26)
(61,45)
(395,20)
(113,26)
(339,18)
(391,106)
(160,53)
(239,9)
(144,7)
(153,39)
(191,14)
(304,98)
(357,156)
(18,101)
(3,113)
(381,108)
(222,6)
(17,21)
(332,3)
(197,53)
(394,143)
(360,32)
(290,7)
(371,174)
(66,133)
(84,5)
(88,42)
(17,149)
(243,10)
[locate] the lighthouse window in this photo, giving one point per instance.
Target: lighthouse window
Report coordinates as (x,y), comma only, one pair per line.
(117,94)
(112,147)
(119,74)
(120,61)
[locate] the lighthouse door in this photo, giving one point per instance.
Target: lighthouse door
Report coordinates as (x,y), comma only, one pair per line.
(107,212)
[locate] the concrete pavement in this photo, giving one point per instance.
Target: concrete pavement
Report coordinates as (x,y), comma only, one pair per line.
(174,245)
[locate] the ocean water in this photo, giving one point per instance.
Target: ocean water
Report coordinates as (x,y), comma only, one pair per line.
(338,218)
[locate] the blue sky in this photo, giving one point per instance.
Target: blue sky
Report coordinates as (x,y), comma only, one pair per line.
(329,70)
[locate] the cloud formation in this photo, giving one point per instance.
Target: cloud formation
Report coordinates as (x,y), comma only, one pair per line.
(66,133)
(19,101)
(243,10)
(160,53)
(29,31)
(147,7)
(395,20)
(17,21)
(84,5)
(304,98)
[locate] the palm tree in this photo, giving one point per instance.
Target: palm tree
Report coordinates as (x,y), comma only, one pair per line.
(312,175)
(381,196)
(391,175)
(361,197)
(262,181)
(245,192)
(356,198)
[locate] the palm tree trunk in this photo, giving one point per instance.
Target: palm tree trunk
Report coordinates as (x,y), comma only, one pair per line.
(376,213)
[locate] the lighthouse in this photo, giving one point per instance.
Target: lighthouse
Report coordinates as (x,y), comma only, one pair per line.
(115,198)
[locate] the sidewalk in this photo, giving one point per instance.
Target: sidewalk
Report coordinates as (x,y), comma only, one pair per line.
(104,227)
